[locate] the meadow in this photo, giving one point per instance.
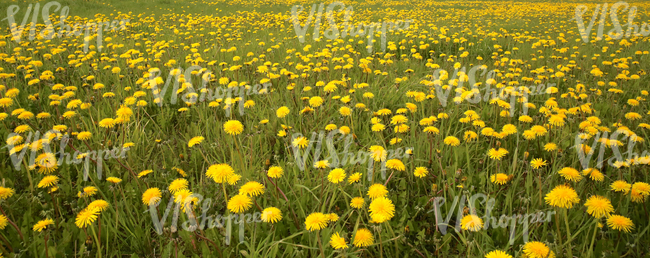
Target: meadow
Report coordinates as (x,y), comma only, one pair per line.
(213,129)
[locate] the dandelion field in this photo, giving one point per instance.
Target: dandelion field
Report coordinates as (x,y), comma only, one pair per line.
(238,154)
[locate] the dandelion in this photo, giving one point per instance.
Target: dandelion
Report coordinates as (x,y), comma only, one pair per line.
(639,192)
(354,178)
(86,217)
(271,215)
(377,191)
(194,141)
(100,205)
(252,188)
(395,164)
(220,172)
(338,242)
(357,202)
(537,163)
(151,196)
(107,123)
(378,153)
(48,181)
(316,221)
(421,172)
(381,209)
(497,154)
(322,164)
(124,113)
(282,112)
(471,223)
(239,203)
(620,223)
(233,127)
(177,185)
(536,249)
(114,180)
(550,147)
(39,226)
(452,141)
(562,196)
(300,142)
(497,254)
(621,186)
(275,172)
(363,238)
(336,176)
(3,221)
(570,174)
(599,206)
(500,178)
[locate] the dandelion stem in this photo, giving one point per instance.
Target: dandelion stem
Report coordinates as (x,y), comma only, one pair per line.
(12,224)
(568,231)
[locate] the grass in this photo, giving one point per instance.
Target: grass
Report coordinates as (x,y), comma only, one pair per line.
(528,42)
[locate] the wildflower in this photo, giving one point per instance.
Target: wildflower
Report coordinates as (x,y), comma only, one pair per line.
(101,205)
(536,249)
(233,127)
(499,178)
(282,112)
(177,185)
(621,186)
(381,209)
(537,163)
(316,221)
(275,172)
(6,192)
(124,113)
(252,188)
(194,141)
(356,177)
(271,215)
(376,191)
(86,217)
(620,223)
(363,238)
(570,174)
(337,242)
(220,172)
(395,164)
(357,202)
(562,196)
(421,172)
(599,206)
(336,176)
(378,153)
(48,181)
(452,141)
(239,203)
(300,142)
(151,196)
(321,164)
(41,225)
(497,254)
(471,223)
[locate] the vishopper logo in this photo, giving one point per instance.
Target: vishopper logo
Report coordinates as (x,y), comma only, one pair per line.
(616,33)
(483,223)
(586,151)
(333,33)
(459,77)
(204,220)
(46,161)
(376,153)
(65,30)
(183,85)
